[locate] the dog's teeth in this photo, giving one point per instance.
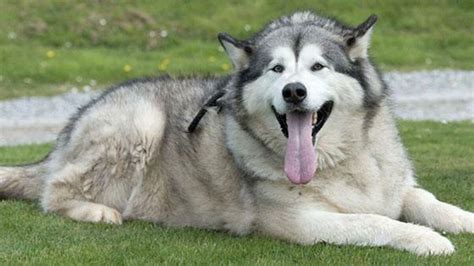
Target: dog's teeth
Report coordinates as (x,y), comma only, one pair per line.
(315,118)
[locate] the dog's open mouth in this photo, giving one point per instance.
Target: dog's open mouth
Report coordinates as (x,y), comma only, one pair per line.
(301,128)
(318,119)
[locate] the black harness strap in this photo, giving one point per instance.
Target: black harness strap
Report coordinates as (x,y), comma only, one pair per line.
(212,102)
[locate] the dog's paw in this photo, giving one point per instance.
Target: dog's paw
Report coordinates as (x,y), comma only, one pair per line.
(96,213)
(433,244)
(430,244)
(110,216)
(424,241)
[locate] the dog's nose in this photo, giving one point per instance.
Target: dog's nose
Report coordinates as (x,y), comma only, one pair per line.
(294,93)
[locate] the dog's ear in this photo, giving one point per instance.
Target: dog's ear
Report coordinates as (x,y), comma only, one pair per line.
(238,51)
(358,40)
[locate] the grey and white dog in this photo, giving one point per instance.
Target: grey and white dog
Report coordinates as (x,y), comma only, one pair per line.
(301,146)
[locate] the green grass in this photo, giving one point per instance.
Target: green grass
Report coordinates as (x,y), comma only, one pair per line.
(410,35)
(442,154)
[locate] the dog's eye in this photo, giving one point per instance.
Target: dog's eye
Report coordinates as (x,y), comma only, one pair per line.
(278,68)
(317,67)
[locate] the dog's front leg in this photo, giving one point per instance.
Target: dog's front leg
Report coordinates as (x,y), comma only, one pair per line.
(421,207)
(309,226)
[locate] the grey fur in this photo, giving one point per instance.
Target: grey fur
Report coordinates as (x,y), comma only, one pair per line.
(128,155)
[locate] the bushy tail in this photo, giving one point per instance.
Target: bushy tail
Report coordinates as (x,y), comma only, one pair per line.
(21,182)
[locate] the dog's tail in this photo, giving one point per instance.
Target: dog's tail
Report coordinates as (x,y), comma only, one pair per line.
(22,182)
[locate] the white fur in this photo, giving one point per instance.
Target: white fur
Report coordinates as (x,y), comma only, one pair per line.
(361,46)
(422,207)
(255,157)
(237,56)
(92,212)
(148,120)
(321,86)
(370,230)
(3,176)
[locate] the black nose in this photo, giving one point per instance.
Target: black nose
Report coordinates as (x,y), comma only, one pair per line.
(294,93)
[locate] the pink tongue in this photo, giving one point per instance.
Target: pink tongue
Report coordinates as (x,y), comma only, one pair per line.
(300,157)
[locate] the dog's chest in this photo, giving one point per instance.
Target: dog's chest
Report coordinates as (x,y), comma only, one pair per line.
(365,190)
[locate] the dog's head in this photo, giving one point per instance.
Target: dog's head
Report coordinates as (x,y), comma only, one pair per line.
(291,76)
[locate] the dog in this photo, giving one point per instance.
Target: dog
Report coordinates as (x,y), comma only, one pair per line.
(299,143)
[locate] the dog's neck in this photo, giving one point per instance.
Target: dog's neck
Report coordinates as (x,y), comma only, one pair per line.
(251,155)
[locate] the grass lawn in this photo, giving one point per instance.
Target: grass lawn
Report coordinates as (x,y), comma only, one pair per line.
(51,46)
(442,154)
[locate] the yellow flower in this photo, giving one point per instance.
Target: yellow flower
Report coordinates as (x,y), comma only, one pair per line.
(50,54)
(225,66)
(162,67)
(127,68)
(164,64)
(211,59)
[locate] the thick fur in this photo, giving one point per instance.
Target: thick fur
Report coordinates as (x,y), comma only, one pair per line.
(128,155)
